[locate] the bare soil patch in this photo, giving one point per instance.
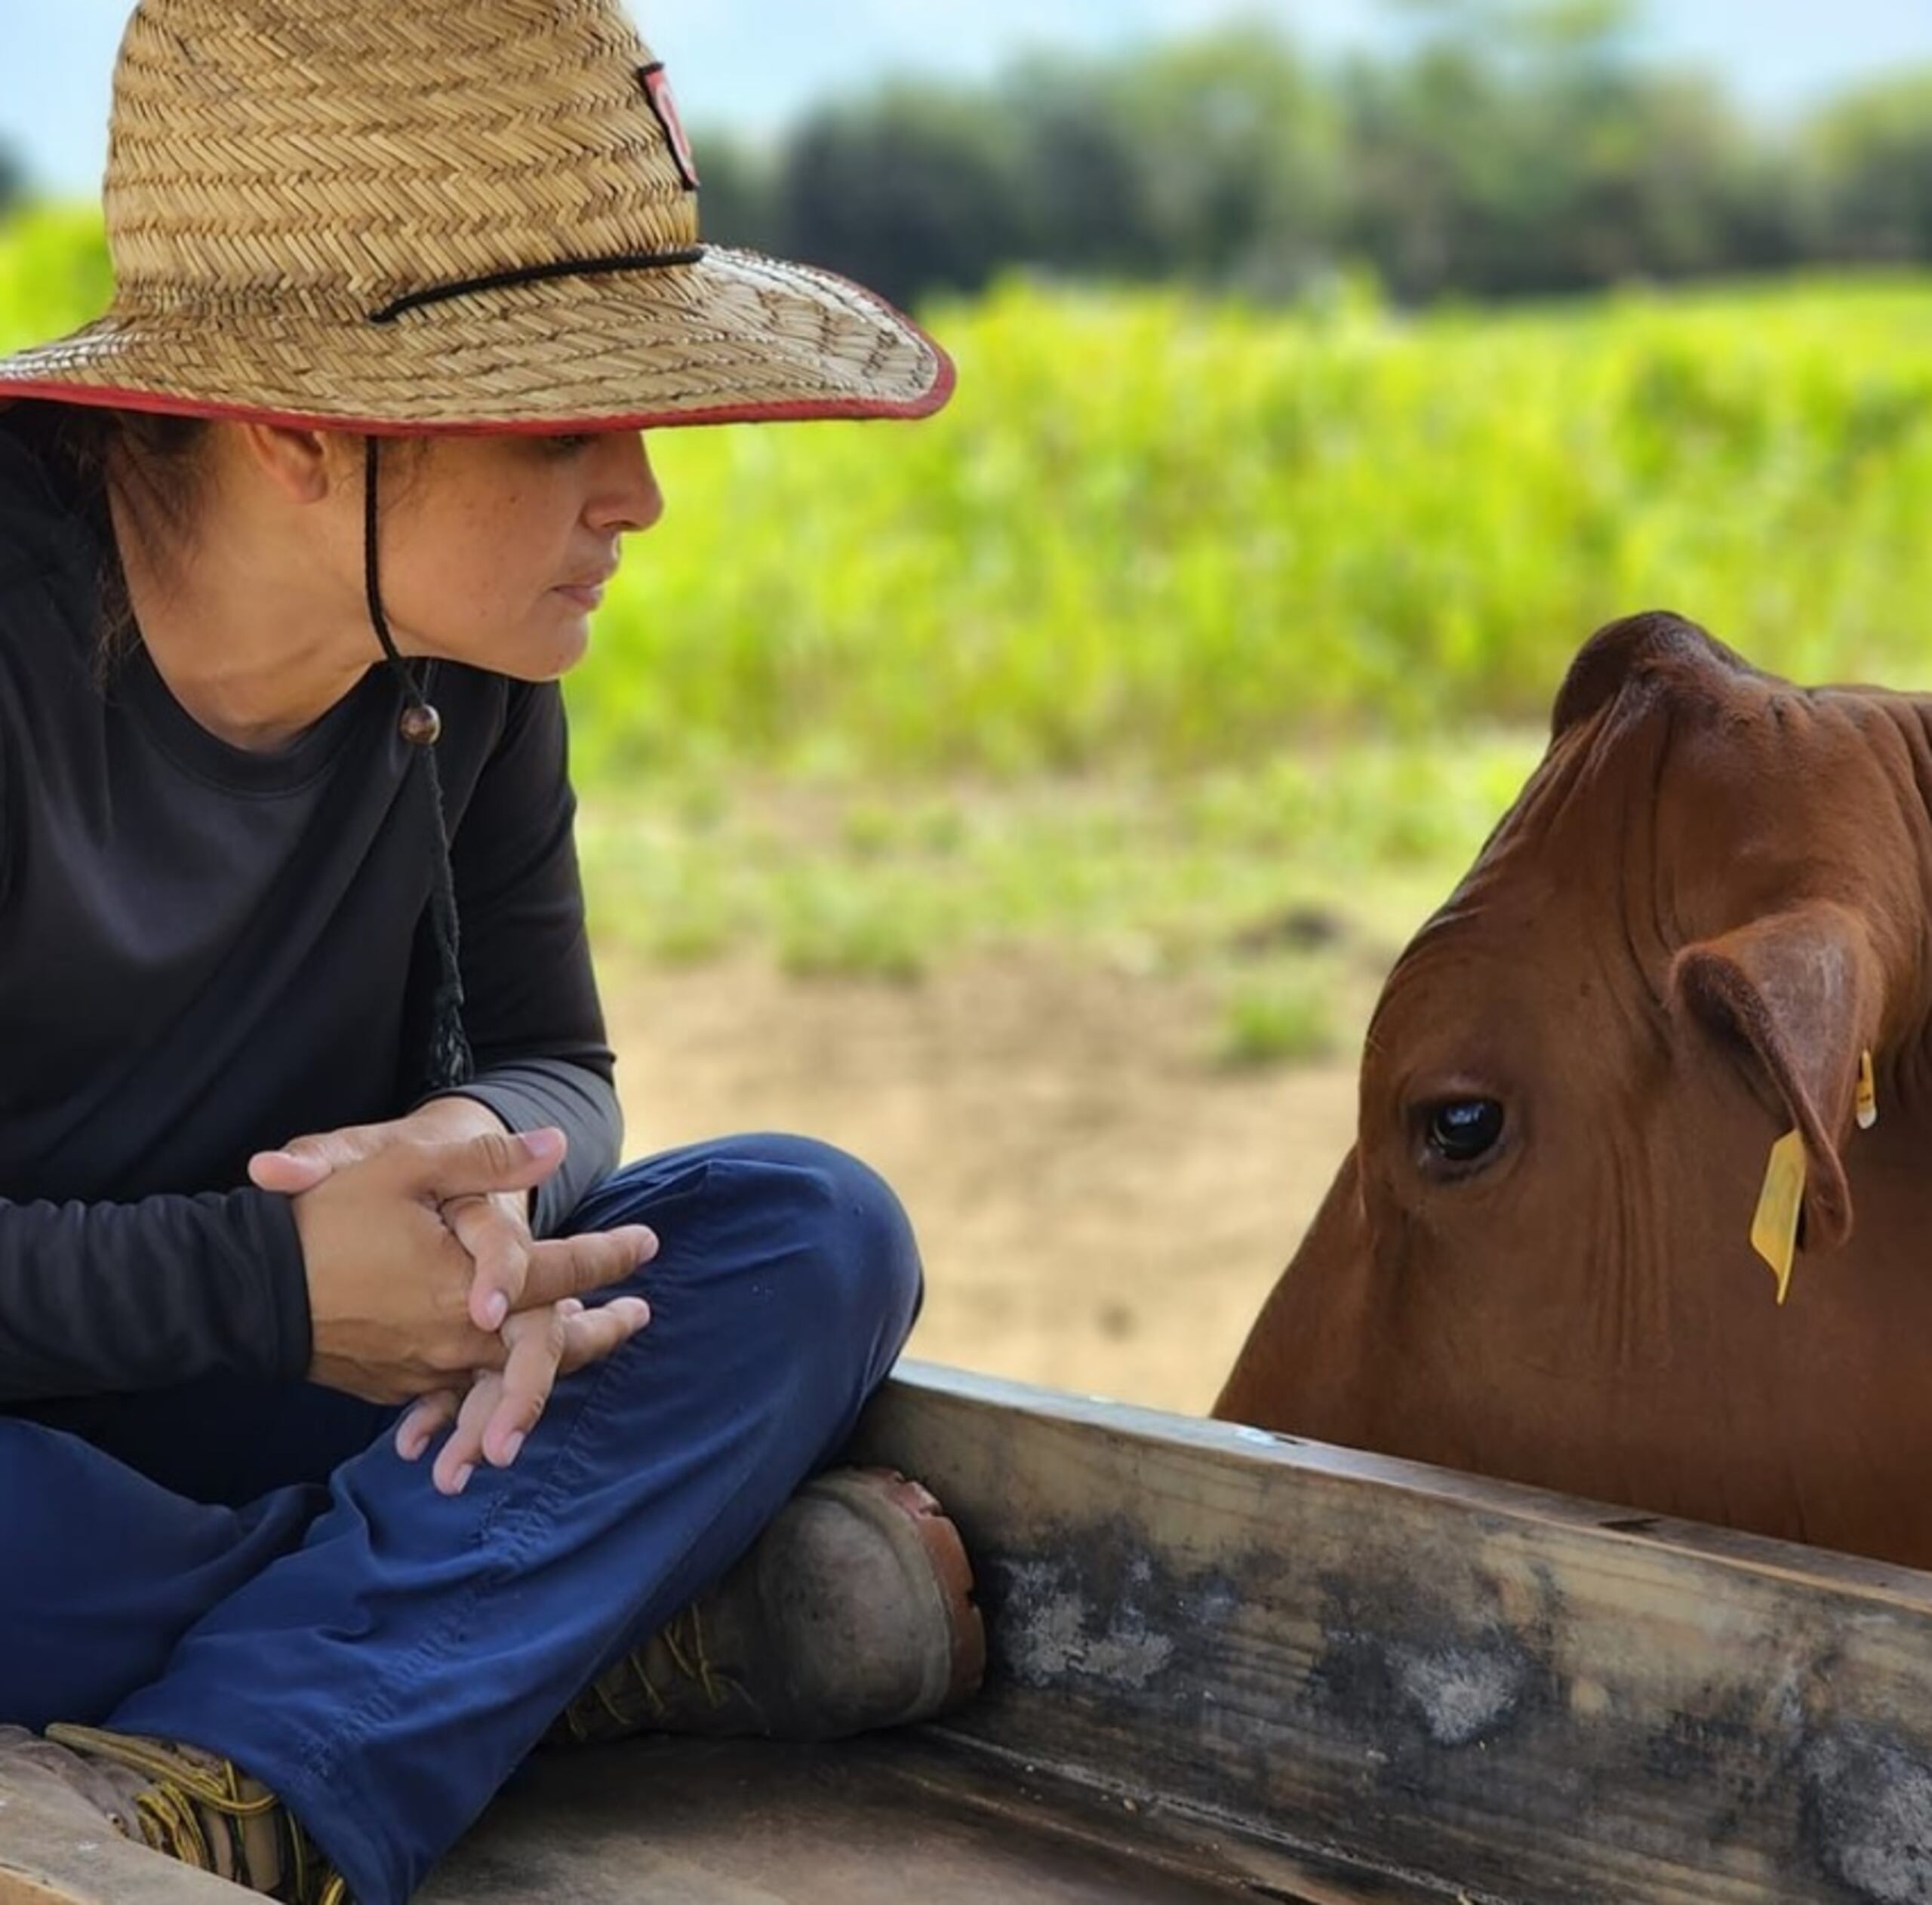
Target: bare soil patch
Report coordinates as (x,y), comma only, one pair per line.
(1101,1208)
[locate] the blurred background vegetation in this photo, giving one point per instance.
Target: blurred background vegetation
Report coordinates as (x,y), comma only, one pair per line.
(1511,150)
(1310,413)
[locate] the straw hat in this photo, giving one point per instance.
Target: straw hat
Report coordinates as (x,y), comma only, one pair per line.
(407,218)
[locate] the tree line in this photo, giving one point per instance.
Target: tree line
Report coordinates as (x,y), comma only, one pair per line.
(1512,148)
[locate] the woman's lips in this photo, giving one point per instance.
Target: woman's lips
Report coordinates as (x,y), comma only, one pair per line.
(586,596)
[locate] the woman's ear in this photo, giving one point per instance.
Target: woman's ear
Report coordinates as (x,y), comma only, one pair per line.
(1803,990)
(305,465)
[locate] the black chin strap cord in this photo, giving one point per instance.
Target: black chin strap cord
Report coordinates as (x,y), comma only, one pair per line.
(450,1061)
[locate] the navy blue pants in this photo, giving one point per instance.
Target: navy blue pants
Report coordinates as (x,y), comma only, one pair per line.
(254,1570)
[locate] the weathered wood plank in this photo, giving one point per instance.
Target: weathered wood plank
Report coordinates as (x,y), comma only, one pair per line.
(1311,1675)
(46,1858)
(870,1822)
(1477,1686)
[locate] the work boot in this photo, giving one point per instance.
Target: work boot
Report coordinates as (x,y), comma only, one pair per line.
(197,1808)
(854,1610)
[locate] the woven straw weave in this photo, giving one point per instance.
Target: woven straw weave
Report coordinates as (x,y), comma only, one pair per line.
(281,170)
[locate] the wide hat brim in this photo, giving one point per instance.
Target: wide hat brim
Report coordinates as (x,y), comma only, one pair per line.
(730,337)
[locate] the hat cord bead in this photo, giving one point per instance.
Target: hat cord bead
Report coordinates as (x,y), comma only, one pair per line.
(451,1059)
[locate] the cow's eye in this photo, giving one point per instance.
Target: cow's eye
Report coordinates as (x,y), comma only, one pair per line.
(1462,1129)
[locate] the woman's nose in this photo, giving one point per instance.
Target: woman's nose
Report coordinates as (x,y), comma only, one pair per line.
(627,496)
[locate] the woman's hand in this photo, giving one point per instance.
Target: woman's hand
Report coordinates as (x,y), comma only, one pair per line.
(502,1406)
(525,1325)
(304,1162)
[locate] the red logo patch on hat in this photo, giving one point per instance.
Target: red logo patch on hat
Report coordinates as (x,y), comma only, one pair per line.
(657,90)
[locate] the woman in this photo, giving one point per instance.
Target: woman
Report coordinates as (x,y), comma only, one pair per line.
(308,1128)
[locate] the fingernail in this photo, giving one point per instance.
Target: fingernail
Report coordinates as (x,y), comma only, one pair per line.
(462,1475)
(546,1143)
(513,1448)
(496,1309)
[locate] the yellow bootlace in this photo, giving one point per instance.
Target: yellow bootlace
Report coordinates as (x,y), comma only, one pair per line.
(690,1654)
(171,1812)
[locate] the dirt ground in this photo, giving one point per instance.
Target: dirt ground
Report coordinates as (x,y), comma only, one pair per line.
(1100,1208)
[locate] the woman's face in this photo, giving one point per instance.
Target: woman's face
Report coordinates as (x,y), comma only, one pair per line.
(494,549)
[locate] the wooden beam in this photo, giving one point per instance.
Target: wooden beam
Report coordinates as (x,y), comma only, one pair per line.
(1294,1671)
(48,1856)
(879,1821)
(1467,1686)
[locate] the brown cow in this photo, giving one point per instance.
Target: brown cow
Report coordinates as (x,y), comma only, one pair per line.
(1712,897)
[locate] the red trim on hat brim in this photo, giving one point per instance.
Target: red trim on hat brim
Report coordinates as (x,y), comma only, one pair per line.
(803,410)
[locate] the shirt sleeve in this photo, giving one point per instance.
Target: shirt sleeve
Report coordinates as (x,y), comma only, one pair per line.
(530,1007)
(98,1297)
(101,1297)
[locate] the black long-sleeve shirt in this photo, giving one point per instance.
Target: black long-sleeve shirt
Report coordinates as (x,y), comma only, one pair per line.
(206,951)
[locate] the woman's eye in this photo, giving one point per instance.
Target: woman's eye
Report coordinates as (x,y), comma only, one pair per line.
(1465,1129)
(564,445)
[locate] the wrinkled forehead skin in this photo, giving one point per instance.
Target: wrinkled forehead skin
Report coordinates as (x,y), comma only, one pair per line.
(1684,794)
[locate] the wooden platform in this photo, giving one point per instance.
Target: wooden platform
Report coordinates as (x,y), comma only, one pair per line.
(1228,1666)
(740,1823)
(873,1823)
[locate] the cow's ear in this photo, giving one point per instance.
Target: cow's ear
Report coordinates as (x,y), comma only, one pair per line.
(1803,990)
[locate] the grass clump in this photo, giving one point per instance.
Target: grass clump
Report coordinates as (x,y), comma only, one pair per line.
(1264,881)
(1284,1018)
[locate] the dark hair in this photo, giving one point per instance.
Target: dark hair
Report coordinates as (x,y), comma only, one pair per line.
(158,467)
(157,464)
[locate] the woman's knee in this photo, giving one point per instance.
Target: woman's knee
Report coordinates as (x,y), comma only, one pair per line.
(846,1242)
(807,1233)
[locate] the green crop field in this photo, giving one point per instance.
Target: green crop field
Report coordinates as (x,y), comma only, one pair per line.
(1192,575)
(1156,530)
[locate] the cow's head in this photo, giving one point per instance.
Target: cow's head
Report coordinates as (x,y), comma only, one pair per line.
(1707,904)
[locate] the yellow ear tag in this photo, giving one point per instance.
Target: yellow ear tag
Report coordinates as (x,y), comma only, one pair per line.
(1867,1094)
(1774,1229)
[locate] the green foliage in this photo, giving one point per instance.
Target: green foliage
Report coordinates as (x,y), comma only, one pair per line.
(858,924)
(1220,160)
(1514,147)
(1871,173)
(1238,164)
(54,273)
(1288,1017)
(740,192)
(1583,176)
(1276,893)
(915,193)
(1263,877)
(1153,530)
(1157,531)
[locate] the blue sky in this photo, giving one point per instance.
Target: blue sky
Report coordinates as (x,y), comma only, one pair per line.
(754,63)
